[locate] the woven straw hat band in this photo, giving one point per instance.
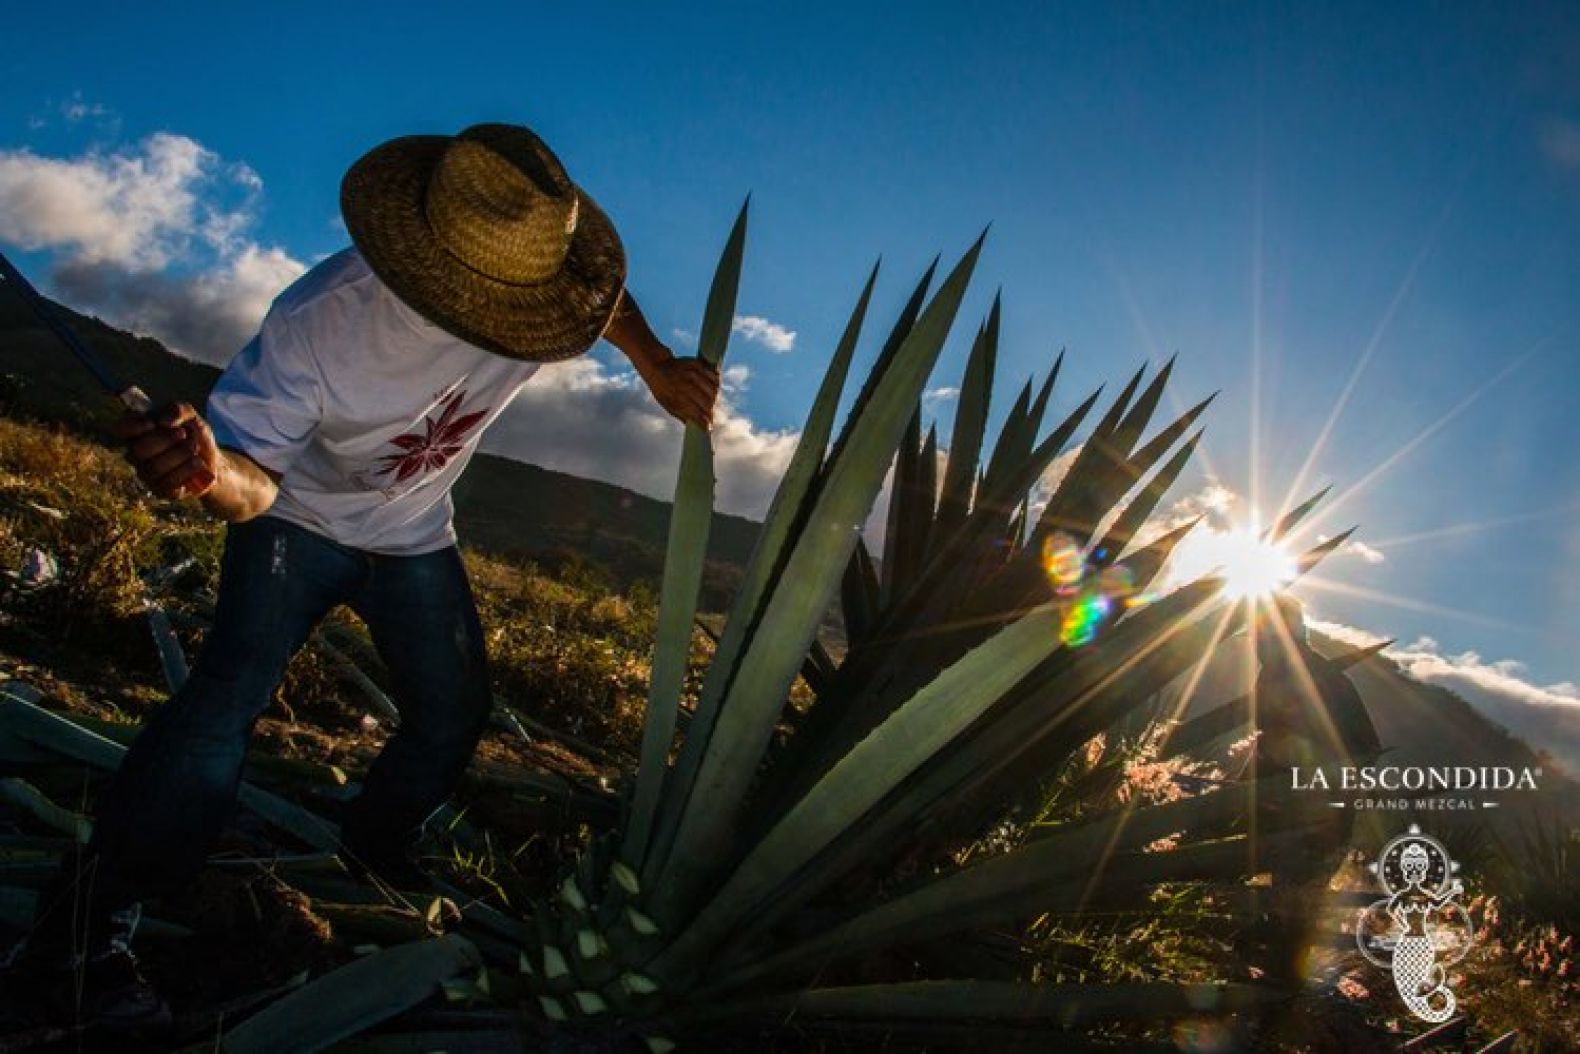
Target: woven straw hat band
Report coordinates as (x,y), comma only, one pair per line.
(499,220)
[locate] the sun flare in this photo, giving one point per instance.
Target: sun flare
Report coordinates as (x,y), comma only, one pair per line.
(1250,565)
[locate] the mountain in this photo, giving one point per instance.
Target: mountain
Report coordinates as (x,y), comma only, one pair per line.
(503,506)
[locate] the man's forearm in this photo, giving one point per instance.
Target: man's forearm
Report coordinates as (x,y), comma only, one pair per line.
(242,488)
(628,330)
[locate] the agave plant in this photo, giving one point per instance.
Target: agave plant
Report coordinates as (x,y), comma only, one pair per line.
(777,861)
(744,868)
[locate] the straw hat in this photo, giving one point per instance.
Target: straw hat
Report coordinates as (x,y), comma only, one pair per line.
(484,235)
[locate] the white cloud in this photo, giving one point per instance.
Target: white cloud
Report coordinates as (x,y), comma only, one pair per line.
(1545,716)
(759,330)
(734,378)
(1358,549)
(152,237)
(208,315)
(583,418)
(939,395)
(1353,636)
(1468,671)
(684,337)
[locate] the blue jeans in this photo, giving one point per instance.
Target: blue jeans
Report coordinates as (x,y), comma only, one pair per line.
(174,791)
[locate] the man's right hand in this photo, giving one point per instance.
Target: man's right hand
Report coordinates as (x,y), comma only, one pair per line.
(173,451)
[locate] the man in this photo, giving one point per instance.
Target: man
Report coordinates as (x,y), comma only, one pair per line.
(329,446)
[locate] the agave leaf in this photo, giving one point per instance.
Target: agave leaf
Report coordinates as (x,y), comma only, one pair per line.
(901,520)
(896,748)
(956,571)
(23,718)
(951,572)
(1136,514)
(474,1039)
(1016,535)
(1343,660)
(1039,406)
(891,348)
(1072,678)
(1309,559)
(354,997)
(821,662)
(30,799)
(1158,445)
(1009,440)
(959,570)
(970,427)
(1079,500)
(711,813)
(1052,874)
(1043,723)
(1139,416)
(913,527)
(929,480)
(691,518)
(1205,728)
(1290,520)
(1019,434)
(1146,562)
(1022,477)
(781,527)
(716,685)
(1181,648)
(859,593)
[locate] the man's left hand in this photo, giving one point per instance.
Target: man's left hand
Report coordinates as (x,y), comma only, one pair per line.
(687,388)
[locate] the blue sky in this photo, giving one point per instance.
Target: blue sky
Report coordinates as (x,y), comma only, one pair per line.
(1301,187)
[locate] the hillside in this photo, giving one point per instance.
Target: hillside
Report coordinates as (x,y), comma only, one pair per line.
(1422,725)
(503,506)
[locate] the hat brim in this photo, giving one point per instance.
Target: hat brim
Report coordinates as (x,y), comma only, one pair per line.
(381,200)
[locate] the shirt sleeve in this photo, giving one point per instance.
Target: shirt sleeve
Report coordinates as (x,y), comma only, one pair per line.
(270,398)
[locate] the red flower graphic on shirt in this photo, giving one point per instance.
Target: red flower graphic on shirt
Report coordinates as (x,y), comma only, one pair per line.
(442,438)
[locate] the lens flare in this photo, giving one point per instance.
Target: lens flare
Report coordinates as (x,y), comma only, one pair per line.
(1082,618)
(1086,595)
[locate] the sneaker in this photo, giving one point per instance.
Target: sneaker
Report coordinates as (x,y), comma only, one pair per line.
(105,990)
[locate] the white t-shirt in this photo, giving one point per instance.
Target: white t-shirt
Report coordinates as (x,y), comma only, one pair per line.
(367,410)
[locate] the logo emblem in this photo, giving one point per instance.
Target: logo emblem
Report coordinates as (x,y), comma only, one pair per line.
(1419,929)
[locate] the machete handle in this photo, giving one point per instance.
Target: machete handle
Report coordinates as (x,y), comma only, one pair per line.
(136,400)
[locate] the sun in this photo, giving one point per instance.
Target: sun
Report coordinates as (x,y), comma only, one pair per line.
(1250,565)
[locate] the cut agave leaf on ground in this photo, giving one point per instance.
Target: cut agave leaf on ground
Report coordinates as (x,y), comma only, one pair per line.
(22,717)
(354,997)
